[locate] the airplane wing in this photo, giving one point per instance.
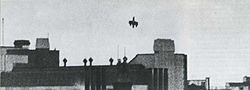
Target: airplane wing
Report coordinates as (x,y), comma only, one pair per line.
(136,24)
(130,22)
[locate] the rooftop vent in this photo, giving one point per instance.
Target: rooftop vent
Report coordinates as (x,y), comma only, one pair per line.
(42,43)
(22,44)
(164,45)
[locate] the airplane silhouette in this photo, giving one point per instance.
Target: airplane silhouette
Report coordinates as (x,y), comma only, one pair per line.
(133,23)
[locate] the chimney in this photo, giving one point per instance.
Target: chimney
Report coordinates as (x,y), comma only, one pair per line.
(111,61)
(42,43)
(22,44)
(85,61)
(90,61)
(125,59)
(65,62)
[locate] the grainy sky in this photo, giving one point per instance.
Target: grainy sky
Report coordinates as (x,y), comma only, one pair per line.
(213,33)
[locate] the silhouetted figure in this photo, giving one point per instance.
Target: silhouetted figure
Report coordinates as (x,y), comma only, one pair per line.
(64,61)
(119,61)
(111,61)
(90,61)
(85,61)
(133,23)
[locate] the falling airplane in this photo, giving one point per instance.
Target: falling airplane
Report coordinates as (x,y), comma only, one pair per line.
(133,23)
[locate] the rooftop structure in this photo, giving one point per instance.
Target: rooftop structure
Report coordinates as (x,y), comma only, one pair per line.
(161,70)
(164,57)
(42,43)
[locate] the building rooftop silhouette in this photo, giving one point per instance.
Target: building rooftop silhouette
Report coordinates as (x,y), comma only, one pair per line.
(34,68)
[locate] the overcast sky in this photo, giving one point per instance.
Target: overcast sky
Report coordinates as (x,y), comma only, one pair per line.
(213,33)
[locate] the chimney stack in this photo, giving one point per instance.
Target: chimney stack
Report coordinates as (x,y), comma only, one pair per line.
(42,43)
(85,61)
(65,62)
(90,61)
(125,59)
(111,61)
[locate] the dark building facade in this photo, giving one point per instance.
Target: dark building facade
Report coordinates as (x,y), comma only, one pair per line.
(164,57)
(42,70)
